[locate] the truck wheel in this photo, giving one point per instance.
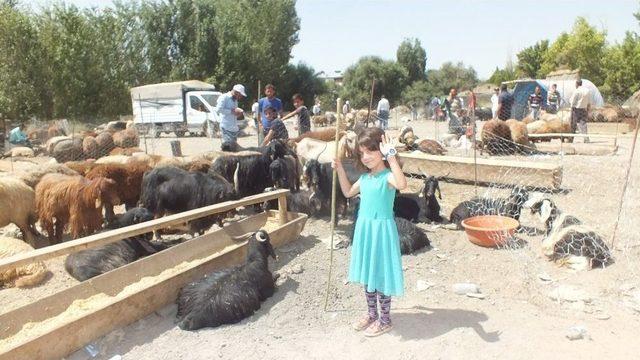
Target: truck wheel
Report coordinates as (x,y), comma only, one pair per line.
(179,133)
(157,132)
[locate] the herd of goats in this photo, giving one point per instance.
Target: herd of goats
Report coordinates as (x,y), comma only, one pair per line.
(78,197)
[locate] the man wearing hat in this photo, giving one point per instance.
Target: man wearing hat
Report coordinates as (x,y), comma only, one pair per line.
(227,108)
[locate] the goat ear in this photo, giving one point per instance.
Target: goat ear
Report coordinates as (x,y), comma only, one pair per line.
(545,210)
(98,203)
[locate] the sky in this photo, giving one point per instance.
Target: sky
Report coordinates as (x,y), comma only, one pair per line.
(484,34)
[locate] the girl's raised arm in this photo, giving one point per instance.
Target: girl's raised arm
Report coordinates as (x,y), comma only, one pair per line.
(396,178)
(347,188)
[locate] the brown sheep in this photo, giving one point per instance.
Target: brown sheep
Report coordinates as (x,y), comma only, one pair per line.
(126,138)
(32,177)
(90,148)
(72,200)
(17,201)
(125,151)
(431,147)
(55,130)
(496,138)
(319,120)
(328,134)
(81,167)
(22,276)
(128,180)
(37,135)
(105,143)
(519,133)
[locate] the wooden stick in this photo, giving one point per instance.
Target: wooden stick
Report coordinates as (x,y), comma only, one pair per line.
(333,206)
(282,209)
(133,230)
(373,85)
(626,182)
(566,135)
(259,115)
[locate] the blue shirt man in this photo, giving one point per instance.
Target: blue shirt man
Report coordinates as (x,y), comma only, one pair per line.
(227,108)
(17,136)
(270,100)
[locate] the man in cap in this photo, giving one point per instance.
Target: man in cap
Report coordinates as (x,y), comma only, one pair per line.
(227,108)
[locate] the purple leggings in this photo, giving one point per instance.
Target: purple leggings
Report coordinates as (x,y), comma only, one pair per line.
(385,306)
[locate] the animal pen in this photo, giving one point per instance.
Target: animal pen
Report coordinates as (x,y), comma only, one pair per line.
(56,325)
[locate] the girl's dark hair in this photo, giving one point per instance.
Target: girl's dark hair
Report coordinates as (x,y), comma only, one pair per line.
(370,139)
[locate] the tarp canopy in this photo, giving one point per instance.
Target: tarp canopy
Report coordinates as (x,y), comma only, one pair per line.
(170,90)
(566,88)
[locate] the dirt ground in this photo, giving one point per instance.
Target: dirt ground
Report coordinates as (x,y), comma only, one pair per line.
(518,319)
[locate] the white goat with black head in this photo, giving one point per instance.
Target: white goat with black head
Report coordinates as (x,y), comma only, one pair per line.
(569,242)
(229,295)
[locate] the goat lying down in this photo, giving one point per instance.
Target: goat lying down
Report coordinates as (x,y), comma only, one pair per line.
(511,207)
(568,242)
(229,295)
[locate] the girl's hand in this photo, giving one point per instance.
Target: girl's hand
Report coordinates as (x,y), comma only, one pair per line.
(386,147)
(336,164)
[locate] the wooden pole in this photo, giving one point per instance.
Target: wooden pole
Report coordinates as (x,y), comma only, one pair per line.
(373,85)
(334,189)
(626,182)
(259,117)
(282,209)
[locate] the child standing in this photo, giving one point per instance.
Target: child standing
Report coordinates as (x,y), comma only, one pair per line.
(304,121)
(277,130)
(375,256)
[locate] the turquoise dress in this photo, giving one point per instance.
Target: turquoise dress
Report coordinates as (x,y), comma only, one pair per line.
(375,256)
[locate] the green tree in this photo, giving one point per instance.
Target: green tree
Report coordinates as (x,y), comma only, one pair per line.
(255,40)
(24,74)
(302,79)
(584,49)
(418,93)
(622,68)
(412,56)
(452,76)
(501,75)
(530,60)
(389,75)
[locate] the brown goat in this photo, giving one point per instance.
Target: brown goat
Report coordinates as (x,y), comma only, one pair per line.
(81,167)
(128,180)
(431,147)
(73,200)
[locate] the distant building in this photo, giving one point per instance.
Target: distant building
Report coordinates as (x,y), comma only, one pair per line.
(335,76)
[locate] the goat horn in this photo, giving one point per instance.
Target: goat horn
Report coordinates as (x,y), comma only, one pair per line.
(235,179)
(260,236)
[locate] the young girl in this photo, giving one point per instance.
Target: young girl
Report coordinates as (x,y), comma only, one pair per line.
(375,256)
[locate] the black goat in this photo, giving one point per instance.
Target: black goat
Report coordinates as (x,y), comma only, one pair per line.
(183,191)
(86,264)
(432,207)
(303,201)
(406,207)
(229,295)
(511,207)
(285,173)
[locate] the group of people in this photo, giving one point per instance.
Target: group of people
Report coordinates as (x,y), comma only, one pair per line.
(267,112)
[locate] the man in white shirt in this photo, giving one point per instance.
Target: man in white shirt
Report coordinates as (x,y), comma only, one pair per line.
(346,108)
(580,105)
(316,109)
(383,112)
(227,108)
(255,110)
(494,103)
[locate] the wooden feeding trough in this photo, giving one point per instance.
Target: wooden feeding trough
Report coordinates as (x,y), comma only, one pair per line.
(57,325)
(489,171)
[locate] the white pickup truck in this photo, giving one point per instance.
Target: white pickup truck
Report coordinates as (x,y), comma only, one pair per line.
(178,107)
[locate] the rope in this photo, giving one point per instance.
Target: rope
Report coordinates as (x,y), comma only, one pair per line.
(333,206)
